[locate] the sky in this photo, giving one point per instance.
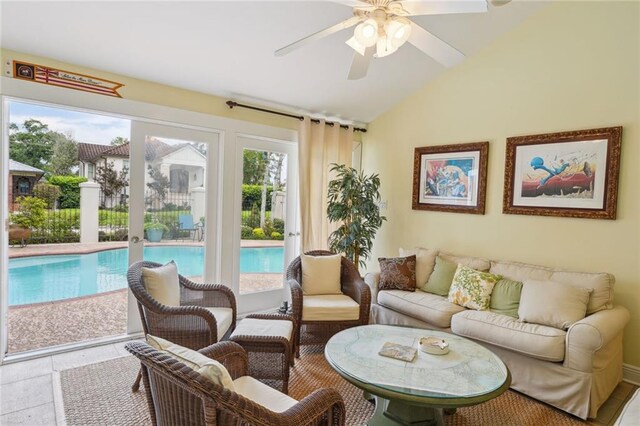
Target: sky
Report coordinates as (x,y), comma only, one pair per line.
(83,127)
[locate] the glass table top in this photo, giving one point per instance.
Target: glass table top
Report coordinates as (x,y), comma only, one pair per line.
(468,370)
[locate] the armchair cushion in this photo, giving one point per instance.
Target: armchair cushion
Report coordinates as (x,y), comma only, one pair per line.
(204,365)
(321,274)
(262,394)
(224,318)
(331,307)
(162,283)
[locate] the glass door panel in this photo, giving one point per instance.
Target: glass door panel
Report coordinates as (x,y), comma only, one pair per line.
(175,194)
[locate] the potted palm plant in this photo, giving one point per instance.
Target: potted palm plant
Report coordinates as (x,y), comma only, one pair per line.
(353,201)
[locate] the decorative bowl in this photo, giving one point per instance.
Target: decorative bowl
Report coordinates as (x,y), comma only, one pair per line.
(433,345)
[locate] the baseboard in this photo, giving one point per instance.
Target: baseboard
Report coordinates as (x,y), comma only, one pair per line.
(631,374)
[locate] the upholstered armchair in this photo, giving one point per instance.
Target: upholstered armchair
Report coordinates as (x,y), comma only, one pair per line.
(319,316)
(177,394)
(194,316)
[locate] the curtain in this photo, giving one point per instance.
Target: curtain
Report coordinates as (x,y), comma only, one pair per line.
(320,145)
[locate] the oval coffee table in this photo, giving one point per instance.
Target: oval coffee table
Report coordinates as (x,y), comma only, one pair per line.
(415,393)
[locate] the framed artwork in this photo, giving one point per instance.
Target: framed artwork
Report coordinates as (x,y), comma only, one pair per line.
(568,174)
(450,178)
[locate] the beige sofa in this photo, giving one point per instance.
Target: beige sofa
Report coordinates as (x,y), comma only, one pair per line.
(574,370)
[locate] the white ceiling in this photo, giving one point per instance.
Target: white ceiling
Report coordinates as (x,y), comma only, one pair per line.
(226,48)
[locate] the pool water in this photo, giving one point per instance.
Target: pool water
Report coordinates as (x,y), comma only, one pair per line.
(37,279)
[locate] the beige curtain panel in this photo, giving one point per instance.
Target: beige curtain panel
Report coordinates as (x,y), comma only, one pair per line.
(320,145)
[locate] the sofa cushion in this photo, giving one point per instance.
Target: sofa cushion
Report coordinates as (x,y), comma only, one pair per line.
(537,341)
(553,304)
(441,278)
(263,327)
(330,307)
(426,307)
(477,263)
(425,262)
(472,289)
(321,274)
(398,273)
(505,297)
(601,283)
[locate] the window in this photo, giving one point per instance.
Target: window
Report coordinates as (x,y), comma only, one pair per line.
(179,180)
(24,186)
(91,171)
(125,164)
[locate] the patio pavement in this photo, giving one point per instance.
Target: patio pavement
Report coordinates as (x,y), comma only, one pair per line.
(47,324)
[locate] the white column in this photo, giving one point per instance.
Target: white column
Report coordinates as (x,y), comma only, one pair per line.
(198,196)
(89,202)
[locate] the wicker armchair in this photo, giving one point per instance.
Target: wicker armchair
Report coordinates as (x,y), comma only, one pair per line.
(191,324)
(177,395)
(351,284)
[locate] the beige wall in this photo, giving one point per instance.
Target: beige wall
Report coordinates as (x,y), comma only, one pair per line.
(574,65)
(159,94)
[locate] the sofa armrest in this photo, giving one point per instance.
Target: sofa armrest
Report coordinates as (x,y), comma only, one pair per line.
(589,335)
(372,279)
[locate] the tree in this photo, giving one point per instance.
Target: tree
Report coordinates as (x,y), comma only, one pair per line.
(111,182)
(160,183)
(253,165)
(353,201)
(33,145)
(119,140)
(47,192)
(64,156)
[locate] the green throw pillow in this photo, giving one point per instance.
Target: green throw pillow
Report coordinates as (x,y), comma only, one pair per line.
(505,298)
(441,278)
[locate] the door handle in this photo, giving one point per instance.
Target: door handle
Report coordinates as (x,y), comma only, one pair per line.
(135,240)
(291,234)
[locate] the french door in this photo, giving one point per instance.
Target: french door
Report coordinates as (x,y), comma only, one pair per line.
(267,220)
(173,201)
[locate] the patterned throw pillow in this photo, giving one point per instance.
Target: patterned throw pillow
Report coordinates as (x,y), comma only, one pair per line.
(472,289)
(398,273)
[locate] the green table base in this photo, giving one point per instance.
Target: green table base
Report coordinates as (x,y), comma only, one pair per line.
(394,412)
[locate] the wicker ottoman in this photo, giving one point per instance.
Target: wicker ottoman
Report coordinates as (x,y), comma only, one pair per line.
(268,340)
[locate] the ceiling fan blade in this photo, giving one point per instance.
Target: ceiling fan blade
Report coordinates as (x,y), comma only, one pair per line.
(352,3)
(360,64)
(320,34)
(499,3)
(415,8)
(442,52)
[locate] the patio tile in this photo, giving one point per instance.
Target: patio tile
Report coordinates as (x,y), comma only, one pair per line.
(35,416)
(25,394)
(22,370)
(83,357)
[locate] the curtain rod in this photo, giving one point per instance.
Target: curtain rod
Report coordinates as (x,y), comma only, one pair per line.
(233,104)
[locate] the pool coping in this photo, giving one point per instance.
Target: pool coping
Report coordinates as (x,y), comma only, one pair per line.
(54,302)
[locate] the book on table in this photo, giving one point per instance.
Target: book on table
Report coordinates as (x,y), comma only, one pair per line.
(397,351)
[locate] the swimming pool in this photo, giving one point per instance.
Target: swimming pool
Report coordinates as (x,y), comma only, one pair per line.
(37,279)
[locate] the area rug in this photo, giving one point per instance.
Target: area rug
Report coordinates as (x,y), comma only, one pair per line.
(100,394)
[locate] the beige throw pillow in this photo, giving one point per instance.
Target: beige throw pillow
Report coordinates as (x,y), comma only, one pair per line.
(425,262)
(162,283)
(554,304)
(321,274)
(210,368)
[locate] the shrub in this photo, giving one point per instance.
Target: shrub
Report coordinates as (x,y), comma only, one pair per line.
(268,227)
(253,221)
(252,194)
(156,225)
(246,233)
(258,234)
(70,190)
(121,208)
(31,214)
(276,236)
(278,225)
(47,192)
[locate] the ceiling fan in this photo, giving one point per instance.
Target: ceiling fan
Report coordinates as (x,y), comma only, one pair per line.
(382,27)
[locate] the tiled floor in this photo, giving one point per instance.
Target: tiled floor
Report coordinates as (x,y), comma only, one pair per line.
(30,391)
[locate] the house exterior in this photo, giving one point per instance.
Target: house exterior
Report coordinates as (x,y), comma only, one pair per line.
(22,179)
(183,164)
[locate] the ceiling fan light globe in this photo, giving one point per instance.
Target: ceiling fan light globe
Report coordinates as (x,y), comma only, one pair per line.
(366,33)
(398,31)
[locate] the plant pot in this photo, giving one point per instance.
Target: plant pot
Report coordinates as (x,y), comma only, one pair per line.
(154,235)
